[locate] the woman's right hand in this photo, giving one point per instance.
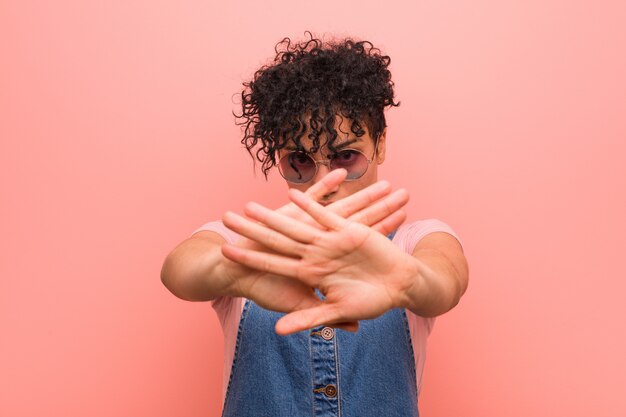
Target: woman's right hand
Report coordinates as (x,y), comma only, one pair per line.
(370,206)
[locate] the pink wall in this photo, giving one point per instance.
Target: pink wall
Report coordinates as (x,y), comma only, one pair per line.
(117,141)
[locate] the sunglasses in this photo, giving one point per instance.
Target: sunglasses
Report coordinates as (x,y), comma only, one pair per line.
(299,167)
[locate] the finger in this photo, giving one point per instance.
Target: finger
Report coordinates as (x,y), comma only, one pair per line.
(382,208)
(390,223)
(266,262)
(297,321)
(328,183)
(294,295)
(285,225)
(261,234)
(349,205)
(321,215)
(361,199)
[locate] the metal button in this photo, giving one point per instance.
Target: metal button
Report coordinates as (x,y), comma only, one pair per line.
(328,333)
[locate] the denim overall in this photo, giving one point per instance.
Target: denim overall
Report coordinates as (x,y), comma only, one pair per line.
(322,372)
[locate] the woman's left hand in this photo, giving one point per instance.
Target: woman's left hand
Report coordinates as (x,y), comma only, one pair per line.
(360,272)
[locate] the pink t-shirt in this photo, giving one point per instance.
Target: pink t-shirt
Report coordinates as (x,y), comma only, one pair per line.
(229,309)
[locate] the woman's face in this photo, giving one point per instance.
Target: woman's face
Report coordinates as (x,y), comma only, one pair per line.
(363,143)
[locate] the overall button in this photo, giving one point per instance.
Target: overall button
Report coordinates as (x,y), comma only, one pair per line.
(327,333)
(329,390)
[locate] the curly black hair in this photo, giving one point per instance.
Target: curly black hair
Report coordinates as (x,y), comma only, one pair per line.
(340,77)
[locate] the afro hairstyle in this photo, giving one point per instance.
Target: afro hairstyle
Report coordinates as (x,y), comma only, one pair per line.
(314,80)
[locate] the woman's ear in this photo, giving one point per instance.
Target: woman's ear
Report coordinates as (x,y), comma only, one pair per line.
(382,141)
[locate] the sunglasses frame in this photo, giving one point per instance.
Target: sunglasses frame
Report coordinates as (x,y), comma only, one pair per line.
(326,162)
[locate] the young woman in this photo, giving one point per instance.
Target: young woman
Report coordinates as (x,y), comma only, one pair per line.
(327,302)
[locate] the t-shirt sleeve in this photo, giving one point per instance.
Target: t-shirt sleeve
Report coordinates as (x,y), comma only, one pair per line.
(218,227)
(407,237)
(228,309)
(415,231)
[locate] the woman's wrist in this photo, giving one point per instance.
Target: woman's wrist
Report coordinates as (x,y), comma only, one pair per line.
(427,293)
(226,271)
(407,282)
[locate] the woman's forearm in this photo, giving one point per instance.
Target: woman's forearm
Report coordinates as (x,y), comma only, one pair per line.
(193,271)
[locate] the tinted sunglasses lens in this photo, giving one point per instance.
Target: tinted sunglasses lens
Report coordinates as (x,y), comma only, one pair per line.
(297,167)
(352,161)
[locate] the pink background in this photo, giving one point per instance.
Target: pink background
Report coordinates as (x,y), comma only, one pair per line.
(117,141)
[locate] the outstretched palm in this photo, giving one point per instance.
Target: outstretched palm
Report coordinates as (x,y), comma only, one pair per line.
(358,269)
(279,292)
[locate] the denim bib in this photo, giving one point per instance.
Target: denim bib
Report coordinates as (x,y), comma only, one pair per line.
(322,372)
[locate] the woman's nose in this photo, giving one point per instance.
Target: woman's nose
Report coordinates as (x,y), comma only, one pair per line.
(323,168)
